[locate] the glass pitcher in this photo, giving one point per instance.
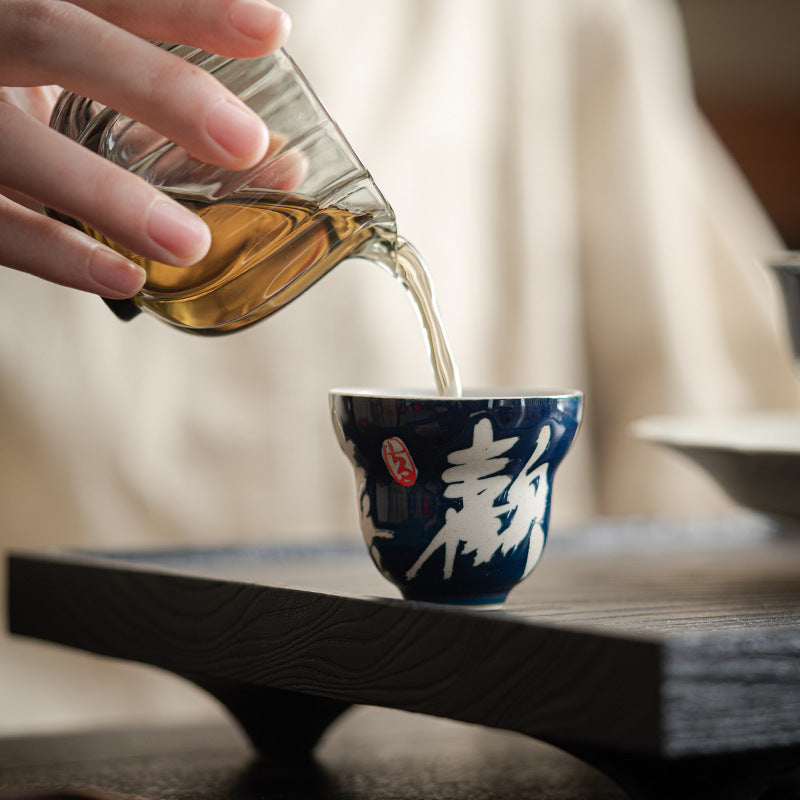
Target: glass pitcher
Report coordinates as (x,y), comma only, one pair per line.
(276,228)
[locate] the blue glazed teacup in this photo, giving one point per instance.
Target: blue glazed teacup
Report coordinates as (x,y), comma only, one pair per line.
(454,493)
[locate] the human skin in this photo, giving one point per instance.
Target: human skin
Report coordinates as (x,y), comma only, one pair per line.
(101,49)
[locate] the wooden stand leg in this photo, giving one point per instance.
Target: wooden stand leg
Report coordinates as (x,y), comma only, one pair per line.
(278,722)
(287,724)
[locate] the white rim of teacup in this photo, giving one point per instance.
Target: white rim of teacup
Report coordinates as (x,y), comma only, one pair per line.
(500,393)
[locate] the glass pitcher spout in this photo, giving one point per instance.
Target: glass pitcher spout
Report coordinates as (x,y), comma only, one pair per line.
(276,228)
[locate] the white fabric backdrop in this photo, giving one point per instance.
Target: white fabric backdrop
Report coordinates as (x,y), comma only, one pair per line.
(583,229)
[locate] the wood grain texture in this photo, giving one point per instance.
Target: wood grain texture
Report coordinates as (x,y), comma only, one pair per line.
(639,637)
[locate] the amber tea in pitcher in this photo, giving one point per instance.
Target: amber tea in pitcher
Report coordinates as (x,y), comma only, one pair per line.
(264,252)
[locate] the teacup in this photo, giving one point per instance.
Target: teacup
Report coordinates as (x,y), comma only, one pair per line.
(786,267)
(454,493)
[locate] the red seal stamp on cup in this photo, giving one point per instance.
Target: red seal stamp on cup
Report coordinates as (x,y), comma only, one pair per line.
(398,460)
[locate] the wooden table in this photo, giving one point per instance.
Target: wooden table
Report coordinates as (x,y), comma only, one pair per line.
(368,754)
(666,653)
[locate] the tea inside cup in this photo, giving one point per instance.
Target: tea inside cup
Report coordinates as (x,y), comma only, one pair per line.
(454,493)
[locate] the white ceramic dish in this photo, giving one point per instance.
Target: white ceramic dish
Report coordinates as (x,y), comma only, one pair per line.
(754,457)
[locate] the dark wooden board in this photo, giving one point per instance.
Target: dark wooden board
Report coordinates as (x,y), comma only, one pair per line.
(649,637)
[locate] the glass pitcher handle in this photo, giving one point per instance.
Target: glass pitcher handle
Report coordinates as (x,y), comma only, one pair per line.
(124,309)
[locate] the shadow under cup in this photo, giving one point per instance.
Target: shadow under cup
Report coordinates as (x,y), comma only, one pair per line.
(454,493)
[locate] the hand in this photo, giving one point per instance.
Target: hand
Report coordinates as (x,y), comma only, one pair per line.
(99,49)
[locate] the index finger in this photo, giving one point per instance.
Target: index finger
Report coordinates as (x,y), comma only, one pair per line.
(234,28)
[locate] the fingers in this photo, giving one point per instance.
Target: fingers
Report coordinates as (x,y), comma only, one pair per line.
(234,28)
(48,41)
(36,244)
(62,175)
(98,48)
(38,101)
(283,173)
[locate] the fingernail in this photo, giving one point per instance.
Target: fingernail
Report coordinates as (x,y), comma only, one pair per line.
(238,131)
(117,275)
(259,20)
(179,232)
